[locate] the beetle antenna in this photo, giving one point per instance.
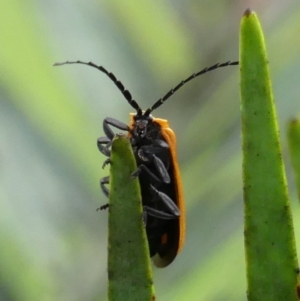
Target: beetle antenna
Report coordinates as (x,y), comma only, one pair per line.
(172,91)
(120,86)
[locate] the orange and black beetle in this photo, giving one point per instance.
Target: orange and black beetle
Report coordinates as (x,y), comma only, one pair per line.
(154,146)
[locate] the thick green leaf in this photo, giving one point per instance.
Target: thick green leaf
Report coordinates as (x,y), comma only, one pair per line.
(129,269)
(294,146)
(269,239)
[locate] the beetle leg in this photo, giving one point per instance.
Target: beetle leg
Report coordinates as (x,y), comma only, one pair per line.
(115,123)
(104,189)
(103,140)
(141,154)
(148,150)
(104,149)
(167,201)
(146,170)
(106,162)
(158,213)
(161,143)
(144,218)
(147,153)
(103,207)
(161,168)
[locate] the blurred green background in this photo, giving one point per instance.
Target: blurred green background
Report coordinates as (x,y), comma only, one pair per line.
(53,244)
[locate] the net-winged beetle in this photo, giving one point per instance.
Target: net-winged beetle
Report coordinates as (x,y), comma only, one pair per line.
(154,146)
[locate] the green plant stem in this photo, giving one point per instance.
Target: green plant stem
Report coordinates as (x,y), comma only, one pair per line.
(294,147)
(269,239)
(129,269)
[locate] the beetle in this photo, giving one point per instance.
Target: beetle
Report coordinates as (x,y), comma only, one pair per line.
(154,146)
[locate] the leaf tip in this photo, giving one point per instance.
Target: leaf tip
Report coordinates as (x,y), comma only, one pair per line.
(294,121)
(120,135)
(248,12)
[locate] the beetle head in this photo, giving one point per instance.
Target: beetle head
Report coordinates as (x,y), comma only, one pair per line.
(141,122)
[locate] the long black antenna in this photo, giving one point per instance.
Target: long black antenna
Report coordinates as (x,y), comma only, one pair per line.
(172,91)
(120,86)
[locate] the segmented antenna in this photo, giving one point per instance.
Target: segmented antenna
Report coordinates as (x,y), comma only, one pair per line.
(172,91)
(120,86)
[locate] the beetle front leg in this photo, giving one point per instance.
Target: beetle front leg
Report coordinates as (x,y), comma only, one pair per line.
(104,143)
(115,123)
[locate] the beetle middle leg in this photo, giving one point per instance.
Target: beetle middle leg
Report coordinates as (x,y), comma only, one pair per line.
(103,183)
(106,162)
(104,144)
(147,172)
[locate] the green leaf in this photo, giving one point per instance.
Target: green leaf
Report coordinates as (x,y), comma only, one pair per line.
(269,239)
(129,269)
(294,147)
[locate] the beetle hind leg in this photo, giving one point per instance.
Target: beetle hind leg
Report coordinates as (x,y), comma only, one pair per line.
(167,201)
(158,213)
(171,212)
(103,207)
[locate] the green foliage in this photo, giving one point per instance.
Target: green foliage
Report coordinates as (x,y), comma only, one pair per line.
(269,239)
(129,269)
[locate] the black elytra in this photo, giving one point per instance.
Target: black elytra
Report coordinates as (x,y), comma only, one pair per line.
(154,146)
